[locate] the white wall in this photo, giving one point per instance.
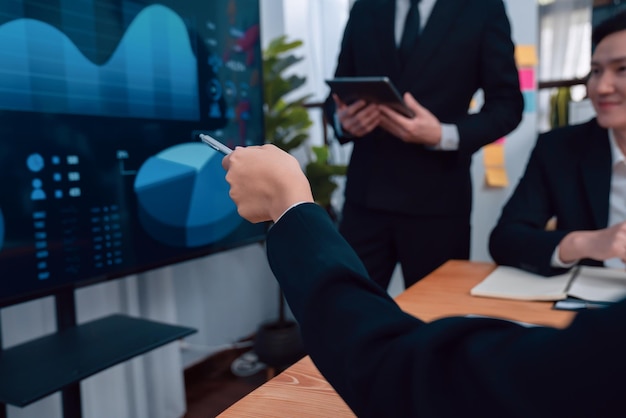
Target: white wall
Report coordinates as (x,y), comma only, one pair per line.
(225,296)
(121,391)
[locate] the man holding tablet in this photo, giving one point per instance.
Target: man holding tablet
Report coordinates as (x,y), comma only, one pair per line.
(408,192)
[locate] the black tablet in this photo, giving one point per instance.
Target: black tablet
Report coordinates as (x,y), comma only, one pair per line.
(371,89)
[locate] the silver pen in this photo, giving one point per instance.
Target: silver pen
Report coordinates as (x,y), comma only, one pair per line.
(215,144)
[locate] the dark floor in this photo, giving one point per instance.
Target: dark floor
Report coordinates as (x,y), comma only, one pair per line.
(211,387)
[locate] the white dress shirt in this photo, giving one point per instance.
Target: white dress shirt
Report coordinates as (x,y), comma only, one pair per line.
(402,8)
(617,196)
(449,132)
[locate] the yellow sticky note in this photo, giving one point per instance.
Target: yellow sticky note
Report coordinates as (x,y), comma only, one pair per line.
(493,155)
(526,55)
(496,177)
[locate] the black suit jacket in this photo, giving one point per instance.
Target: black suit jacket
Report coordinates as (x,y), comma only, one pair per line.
(465,46)
(568,176)
(386,363)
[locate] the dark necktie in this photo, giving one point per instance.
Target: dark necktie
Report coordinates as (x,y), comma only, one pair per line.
(410,33)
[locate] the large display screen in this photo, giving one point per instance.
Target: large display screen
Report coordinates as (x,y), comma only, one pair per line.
(102,173)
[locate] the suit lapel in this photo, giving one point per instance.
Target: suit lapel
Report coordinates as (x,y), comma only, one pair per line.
(436,30)
(596,170)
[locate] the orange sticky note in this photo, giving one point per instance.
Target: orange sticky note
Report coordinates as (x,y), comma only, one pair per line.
(526,55)
(493,155)
(495,170)
(496,177)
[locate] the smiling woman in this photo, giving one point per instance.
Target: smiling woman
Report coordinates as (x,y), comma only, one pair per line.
(584,188)
(607,83)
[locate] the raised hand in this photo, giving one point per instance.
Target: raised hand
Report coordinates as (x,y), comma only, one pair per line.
(265,181)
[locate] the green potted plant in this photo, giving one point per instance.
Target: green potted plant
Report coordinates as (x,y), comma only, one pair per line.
(321,175)
(287,120)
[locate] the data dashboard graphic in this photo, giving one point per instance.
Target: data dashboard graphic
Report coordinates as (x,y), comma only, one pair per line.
(183,196)
(151,74)
(101,105)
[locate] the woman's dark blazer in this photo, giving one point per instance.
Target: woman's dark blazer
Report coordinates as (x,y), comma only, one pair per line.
(568,176)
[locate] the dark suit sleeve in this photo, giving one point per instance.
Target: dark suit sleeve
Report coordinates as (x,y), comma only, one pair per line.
(386,363)
(520,239)
(503,101)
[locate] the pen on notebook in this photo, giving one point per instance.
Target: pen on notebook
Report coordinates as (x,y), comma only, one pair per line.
(593,304)
(572,277)
(572,304)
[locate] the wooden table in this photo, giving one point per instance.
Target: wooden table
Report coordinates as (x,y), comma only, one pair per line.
(301,390)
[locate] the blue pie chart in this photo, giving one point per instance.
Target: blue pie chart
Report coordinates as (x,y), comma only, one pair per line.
(183,197)
(1,229)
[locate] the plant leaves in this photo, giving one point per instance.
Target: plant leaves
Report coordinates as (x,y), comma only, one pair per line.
(287,121)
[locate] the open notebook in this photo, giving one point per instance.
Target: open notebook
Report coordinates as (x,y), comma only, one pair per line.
(597,284)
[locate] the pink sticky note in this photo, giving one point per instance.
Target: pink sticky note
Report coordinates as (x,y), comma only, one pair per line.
(527,78)
(500,141)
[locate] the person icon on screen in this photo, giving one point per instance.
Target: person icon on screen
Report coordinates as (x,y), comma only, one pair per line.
(37,193)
